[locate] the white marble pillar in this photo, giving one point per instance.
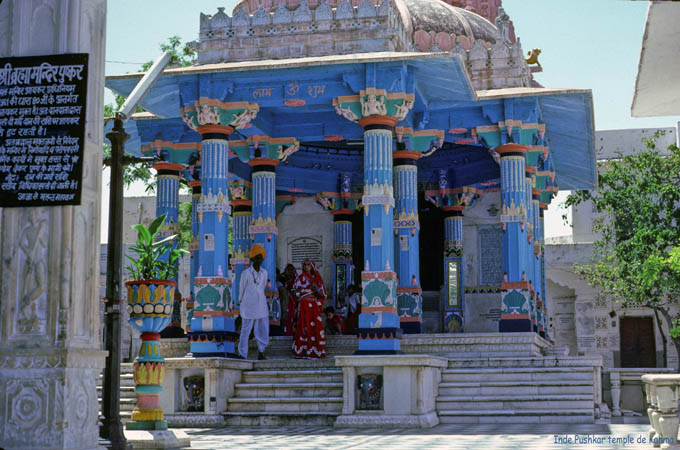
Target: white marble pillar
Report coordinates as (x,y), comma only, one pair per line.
(49,301)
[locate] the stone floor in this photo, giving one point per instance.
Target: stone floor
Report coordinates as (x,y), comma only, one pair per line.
(491,436)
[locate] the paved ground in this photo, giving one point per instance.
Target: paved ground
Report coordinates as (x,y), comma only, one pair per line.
(492,436)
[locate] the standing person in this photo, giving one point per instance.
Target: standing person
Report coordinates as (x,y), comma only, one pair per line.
(310,339)
(353,310)
(289,277)
(254,308)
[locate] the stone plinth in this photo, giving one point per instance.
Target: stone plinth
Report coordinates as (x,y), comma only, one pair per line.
(471,345)
(409,386)
(219,375)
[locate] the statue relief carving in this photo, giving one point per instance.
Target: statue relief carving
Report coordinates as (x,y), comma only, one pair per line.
(347,113)
(31,254)
(242,120)
(207,115)
(403,109)
(371,105)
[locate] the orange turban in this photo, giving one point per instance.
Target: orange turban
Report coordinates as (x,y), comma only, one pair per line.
(257,249)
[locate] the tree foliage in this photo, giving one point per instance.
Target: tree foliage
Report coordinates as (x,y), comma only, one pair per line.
(637,258)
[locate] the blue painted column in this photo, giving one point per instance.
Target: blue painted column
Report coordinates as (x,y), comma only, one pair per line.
(544,327)
(515,286)
(195,186)
(241,211)
(212,325)
(530,173)
(342,254)
(167,202)
(167,198)
(454,306)
(379,325)
(406,241)
(263,230)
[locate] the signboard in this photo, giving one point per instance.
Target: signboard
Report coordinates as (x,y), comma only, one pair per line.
(42,129)
(302,248)
(452,281)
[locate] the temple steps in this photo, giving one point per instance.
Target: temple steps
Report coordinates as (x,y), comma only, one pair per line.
(128,398)
(528,392)
(517,387)
(287,396)
(292,376)
(279,390)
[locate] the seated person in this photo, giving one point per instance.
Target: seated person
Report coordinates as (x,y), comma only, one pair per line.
(334,322)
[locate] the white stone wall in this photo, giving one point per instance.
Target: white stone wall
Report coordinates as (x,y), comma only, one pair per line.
(306,218)
(49,346)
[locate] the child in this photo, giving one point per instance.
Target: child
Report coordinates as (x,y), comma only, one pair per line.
(334,323)
(353,309)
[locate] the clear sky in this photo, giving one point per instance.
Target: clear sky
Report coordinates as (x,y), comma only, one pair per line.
(593,44)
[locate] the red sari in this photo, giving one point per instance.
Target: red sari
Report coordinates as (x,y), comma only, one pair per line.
(310,338)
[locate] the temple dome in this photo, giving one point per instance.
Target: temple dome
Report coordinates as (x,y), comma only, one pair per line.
(433,21)
(427,22)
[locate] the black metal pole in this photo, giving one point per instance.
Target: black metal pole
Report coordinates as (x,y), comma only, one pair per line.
(112,427)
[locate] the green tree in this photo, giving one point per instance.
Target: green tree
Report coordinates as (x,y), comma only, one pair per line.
(636,260)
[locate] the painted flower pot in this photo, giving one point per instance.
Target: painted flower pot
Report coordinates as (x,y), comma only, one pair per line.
(150,305)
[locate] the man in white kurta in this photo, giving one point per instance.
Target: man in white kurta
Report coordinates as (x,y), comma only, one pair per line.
(253,303)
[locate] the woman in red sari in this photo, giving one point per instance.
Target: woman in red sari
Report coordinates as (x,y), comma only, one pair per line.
(310,339)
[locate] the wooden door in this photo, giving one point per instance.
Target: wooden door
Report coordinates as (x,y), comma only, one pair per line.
(637,342)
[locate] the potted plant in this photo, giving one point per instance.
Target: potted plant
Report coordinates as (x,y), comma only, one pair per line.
(150,297)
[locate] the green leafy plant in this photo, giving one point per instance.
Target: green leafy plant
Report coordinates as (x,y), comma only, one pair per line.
(150,261)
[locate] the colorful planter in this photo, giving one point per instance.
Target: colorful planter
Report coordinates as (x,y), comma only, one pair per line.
(150,305)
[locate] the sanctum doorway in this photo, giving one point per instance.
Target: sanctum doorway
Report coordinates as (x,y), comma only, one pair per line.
(637,342)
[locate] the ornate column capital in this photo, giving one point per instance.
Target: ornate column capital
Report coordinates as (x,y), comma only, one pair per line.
(374,107)
(208,115)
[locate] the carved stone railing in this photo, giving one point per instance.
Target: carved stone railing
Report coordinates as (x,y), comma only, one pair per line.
(626,388)
(662,396)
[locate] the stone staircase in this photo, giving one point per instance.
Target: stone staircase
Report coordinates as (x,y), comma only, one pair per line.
(287,392)
(128,398)
(517,390)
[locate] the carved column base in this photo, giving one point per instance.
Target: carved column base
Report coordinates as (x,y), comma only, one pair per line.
(379,331)
(410,309)
(48,398)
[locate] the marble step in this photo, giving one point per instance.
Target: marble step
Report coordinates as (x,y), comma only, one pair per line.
(522,362)
(294,364)
(293,376)
(125,392)
(262,418)
(126,380)
(290,405)
(513,402)
(561,374)
(126,404)
(515,387)
(523,415)
(282,390)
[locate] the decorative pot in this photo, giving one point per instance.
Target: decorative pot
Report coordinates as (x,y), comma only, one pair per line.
(150,305)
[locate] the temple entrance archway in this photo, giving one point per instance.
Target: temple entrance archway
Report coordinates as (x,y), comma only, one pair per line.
(431,245)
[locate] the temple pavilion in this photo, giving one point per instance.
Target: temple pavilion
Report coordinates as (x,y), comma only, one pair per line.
(414,125)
